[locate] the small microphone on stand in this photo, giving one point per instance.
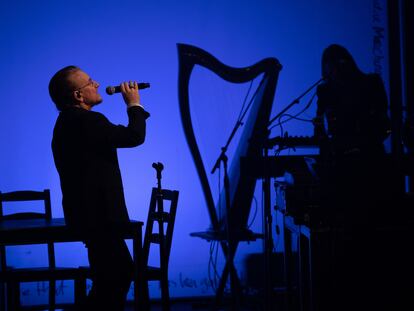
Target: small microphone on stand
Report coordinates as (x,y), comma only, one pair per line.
(110,90)
(158,167)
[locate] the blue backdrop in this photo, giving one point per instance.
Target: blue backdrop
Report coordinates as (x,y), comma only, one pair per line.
(136,40)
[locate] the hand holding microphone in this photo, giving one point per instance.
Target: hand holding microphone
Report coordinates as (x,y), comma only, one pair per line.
(129,91)
(110,90)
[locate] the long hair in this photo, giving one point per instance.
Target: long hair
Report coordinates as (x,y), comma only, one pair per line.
(336,57)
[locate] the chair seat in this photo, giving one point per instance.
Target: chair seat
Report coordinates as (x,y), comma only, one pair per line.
(13,277)
(43,273)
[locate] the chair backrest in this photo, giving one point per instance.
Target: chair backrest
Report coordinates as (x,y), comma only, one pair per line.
(163,237)
(26,196)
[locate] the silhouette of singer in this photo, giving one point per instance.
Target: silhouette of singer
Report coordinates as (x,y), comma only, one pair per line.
(84,148)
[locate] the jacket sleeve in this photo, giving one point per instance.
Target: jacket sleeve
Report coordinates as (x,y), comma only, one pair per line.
(379,124)
(101,132)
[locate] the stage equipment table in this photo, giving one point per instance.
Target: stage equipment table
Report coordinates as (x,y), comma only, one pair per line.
(383,254)
(39,231)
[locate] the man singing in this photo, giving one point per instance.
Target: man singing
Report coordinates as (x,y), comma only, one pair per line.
(85,153)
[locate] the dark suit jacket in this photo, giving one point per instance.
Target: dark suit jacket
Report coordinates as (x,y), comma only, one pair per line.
(84,149)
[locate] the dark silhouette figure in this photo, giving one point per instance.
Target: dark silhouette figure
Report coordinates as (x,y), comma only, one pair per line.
(352,124)
(85,153)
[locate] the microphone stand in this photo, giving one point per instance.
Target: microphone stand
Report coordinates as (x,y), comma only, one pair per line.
(222,156)
(229,232)
(229,256)
(267,215)
(295,101)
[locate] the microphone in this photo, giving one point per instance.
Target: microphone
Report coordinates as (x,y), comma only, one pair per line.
(110,90)
(158,166)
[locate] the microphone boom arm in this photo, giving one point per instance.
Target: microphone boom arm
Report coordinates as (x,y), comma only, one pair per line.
(295,101)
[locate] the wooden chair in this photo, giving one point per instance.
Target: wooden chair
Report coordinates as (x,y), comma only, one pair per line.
(163,238)
(13,277)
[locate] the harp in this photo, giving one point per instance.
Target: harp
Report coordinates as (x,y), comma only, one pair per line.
(251,144)
(252,138)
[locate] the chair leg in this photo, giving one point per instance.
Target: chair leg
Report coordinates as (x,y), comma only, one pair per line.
(165,294)
(13,296)
(146,299)
(2,297)
(80,290)
(52,294)
(147,302)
